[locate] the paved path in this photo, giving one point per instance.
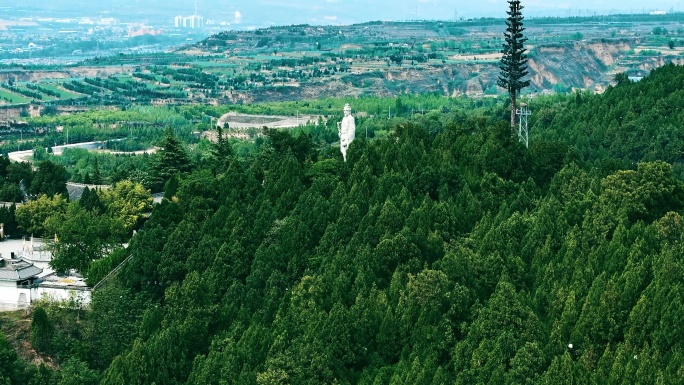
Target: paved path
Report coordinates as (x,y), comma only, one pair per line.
(22,156)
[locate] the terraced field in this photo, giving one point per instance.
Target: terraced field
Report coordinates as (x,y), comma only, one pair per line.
(379,59)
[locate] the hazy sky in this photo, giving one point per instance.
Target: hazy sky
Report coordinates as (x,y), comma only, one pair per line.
(469,8)
(354,11)
(266,12)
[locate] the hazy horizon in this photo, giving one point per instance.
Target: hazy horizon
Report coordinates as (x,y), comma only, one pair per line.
(259,13)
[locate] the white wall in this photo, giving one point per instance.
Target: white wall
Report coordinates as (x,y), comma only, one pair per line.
(55,294)
(10,294)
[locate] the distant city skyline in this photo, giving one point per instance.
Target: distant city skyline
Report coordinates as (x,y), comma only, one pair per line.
(259,13)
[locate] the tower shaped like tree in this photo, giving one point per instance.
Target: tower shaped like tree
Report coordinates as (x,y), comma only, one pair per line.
(514,61)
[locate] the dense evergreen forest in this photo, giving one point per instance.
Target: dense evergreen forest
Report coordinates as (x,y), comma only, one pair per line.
(443,253)
(629,123)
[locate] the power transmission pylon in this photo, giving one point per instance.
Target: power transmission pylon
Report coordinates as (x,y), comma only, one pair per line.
(523,112)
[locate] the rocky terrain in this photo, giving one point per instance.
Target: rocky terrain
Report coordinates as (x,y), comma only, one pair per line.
(559,67)
(461,58)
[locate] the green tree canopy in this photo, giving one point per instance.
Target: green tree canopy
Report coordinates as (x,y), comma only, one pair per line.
(171,159)
(82,237)
(50,179)
(32,216)
(127,202)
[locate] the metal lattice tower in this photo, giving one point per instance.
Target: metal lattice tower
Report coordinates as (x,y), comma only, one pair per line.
(523,112)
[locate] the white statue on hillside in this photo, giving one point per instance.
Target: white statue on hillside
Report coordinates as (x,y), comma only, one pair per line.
(346,129)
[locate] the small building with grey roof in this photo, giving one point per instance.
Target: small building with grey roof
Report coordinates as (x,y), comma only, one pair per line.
(26,276)
(17,278)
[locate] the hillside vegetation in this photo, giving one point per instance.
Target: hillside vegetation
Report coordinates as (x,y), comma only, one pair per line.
(445,252)
(296,62)
(631,122)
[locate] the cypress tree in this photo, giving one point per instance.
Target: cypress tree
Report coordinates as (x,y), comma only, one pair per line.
(41,330)
(90,201)
(221,151)
(514,61)
(97,175)
(170,160)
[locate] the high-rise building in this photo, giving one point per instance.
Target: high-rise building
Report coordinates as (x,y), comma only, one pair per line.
(196,21)
(193,22)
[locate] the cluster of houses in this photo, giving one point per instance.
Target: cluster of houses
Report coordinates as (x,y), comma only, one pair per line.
(26,277)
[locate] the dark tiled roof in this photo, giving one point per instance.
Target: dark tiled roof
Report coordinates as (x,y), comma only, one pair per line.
(75,192)
(18,269)
(76,189)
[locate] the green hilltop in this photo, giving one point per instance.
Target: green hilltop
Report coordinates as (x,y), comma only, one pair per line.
(442,252)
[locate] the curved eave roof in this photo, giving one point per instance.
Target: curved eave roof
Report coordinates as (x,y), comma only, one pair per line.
(19,274)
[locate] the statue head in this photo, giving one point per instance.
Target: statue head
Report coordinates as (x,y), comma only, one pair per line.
(347,109)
